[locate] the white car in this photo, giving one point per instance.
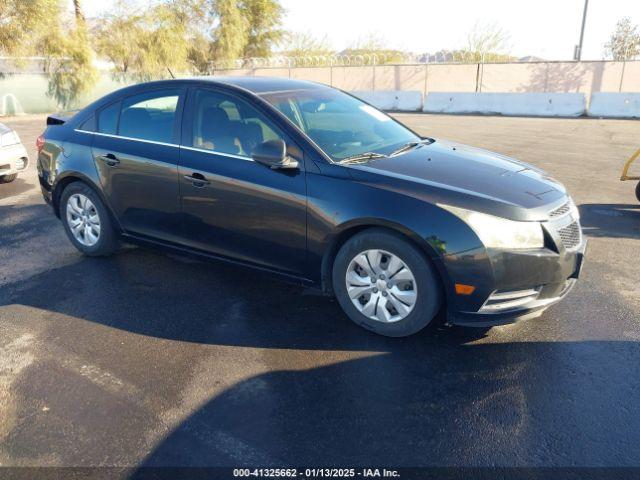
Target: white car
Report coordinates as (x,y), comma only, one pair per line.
(13,156)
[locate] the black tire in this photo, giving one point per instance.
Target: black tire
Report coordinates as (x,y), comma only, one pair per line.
(429,288)
(638,191)
(108,239)
(8,178)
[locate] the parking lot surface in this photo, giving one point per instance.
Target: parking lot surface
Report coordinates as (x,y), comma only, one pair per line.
(147,358)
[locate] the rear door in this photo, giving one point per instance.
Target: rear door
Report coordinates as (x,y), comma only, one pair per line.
(233,206)
(136,152)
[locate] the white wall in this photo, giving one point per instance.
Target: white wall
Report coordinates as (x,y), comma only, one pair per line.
(410,101)
(615,105)
(530,104)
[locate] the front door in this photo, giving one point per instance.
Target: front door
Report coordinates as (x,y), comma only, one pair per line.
(136,152)
(231,205)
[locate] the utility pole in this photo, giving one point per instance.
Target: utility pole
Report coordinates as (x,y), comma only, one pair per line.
(577,53)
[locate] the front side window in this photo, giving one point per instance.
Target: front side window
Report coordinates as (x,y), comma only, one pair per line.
(149,116)
(226,124)
(340,124)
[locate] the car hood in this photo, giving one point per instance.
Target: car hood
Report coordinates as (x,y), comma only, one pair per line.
(472,173)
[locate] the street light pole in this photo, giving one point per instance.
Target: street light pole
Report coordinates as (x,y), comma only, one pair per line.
(577,53)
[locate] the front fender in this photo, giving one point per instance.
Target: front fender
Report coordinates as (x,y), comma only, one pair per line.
(339,207)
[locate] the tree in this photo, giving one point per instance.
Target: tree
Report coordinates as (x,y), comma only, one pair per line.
(33,28)
(263,20)
(624,43)
(373,49)
(301,44)
(69,65)
(486,42)
(231,33)
(23,24)
(144,45)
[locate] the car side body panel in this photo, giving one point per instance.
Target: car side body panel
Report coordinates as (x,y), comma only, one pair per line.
(142,188)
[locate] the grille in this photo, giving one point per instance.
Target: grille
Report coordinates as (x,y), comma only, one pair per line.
(570,235)
(560,211)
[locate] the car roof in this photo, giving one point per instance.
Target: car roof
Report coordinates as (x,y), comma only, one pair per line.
(253,84)
(260,85)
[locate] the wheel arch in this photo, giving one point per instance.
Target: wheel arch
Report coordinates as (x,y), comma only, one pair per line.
(349,229)
(72,177)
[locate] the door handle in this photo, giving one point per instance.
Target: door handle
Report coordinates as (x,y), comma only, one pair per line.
(197,180)
(109,159)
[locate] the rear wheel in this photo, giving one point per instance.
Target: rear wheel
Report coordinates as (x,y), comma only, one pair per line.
(8,178)
(86,221)
(385,284)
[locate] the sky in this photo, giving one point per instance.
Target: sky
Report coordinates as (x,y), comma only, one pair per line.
(544,28)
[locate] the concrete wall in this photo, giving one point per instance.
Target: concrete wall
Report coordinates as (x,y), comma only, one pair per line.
(530,104)
(554,77)
(615,105)
(394,100)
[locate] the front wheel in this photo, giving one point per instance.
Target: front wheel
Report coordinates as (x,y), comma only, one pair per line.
(385,284)
(8,178)
(87,221)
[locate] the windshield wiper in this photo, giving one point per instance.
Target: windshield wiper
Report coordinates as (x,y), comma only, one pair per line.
(362,157)
(409,146)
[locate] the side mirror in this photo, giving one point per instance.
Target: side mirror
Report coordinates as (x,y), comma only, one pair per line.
(273,154)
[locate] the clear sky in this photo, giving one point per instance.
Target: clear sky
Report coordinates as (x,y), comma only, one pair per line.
(544,28)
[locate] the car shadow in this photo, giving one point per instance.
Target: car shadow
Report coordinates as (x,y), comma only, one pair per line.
(179,298)
(610,220)
(533,404)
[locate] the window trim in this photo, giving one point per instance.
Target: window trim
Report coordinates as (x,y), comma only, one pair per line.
(110,135)
(154,142)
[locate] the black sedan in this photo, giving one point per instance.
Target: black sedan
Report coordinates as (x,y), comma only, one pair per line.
(314,185)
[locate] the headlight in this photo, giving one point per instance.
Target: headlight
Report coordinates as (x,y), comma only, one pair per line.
(9,138)
(496,232)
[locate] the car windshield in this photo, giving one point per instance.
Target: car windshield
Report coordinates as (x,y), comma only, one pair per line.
(341,125)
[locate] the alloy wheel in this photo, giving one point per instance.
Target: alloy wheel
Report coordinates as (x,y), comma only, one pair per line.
(83,219)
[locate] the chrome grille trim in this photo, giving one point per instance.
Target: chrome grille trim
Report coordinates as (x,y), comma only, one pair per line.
(565,222)
(505,300)
(560,211)
(570,235)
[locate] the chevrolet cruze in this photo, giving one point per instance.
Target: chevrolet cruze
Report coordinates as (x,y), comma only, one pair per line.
(316,186)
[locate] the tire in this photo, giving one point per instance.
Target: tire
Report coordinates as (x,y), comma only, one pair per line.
(8,178)
(425,288)
(105,242)
(638,191)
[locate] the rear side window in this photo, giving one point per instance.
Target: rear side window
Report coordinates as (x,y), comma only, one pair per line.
(149,116)
(89,125)
(108,119)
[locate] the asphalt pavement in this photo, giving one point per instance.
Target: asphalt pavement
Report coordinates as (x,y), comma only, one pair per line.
(148,358)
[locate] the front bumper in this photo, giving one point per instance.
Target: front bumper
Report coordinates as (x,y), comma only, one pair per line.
(549,275)
(13,159)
